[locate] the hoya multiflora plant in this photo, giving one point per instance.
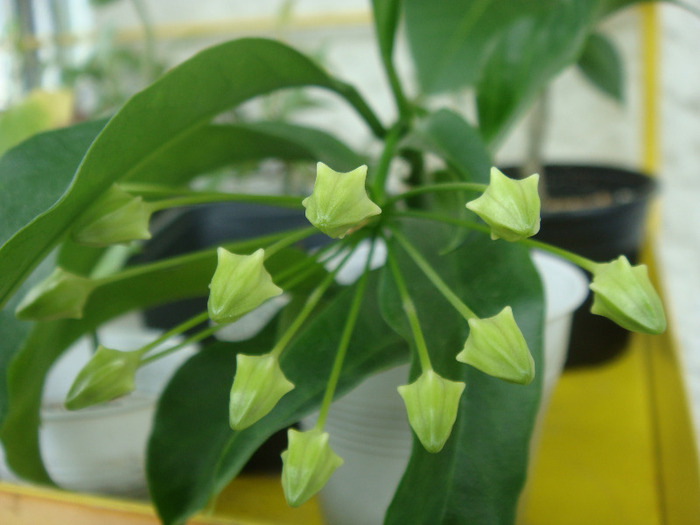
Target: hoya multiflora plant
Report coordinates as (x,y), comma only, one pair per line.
(340,207)
(436,272)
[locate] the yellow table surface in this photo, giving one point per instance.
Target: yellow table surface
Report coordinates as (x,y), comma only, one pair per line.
(616,449)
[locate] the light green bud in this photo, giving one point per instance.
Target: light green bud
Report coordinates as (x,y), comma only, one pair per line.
(510,207)
(624,294)
(431,404)
(258,385)
(339,203)
(307,464)
(116,217)
(496,346)
(62,295)
(108,375)
(240,284)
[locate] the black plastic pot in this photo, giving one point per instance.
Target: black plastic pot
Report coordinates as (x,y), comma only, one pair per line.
(600,233)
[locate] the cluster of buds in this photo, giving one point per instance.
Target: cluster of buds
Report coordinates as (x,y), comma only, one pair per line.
(338,206)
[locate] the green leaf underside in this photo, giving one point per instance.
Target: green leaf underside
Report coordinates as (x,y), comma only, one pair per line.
(180,102)
(479,474)
(193,453)
(27,372)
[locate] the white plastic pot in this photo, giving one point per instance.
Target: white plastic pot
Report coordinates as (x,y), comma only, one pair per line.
(369,430)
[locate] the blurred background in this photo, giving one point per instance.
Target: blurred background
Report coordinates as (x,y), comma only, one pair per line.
(69,60)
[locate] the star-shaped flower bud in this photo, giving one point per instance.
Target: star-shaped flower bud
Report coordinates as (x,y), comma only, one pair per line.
(496,346)
(240,284)
(624,294)
(339,203)
(431,404)
(117,217)
(510,207)
(258,385)
(62,295)
(108,375)
(307,464)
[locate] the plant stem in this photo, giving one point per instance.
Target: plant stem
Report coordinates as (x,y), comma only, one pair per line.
(382,171)
(182,327)
(432,188)
(203,334)
(289,239)
(344,343)
(311,302)
(432,275)
(285,201)
(578,260)
(409,309)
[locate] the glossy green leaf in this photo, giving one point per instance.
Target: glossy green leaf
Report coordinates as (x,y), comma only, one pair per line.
(214,146)
(450,137)
(193,453)
(386,20)
(134,288)
(214,80)
(524,59)
(33,176)
(602,65)
(478,476)
(449,41)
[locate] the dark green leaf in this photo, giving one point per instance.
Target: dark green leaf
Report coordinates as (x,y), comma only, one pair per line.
(450,40)
(181,101)
(193,453)
(450,137)
(524,59)
(478,476)
(213,146)
(602,65)
(386,19)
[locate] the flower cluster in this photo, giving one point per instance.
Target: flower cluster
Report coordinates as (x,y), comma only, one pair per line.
(338,206)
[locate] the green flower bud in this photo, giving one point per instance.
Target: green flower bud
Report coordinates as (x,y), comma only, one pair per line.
(116,217)
(496,346)
(108,375)
(624,294)
(431,403)
(510,207)
(339,203)
(307,464)
(240,284)
(62,295)
(257,387)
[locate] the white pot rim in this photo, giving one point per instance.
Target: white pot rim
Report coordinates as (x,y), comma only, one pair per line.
(566,286)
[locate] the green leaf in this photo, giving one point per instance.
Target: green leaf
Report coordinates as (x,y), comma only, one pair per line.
(213,146)
(134,288)
(602,65)
(33,175)
(181,101)
(450,40)
(450,137)
(524,59)
(478,476)
(386,19)
(193,453)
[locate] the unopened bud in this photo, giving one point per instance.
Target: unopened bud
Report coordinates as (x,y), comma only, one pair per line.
(62,295)
(510,207)
(431,404)
(339,203)
(117,217)
(258,385)
(624,294)
(108,375)
(496,346)
(240,284)
(307,464)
